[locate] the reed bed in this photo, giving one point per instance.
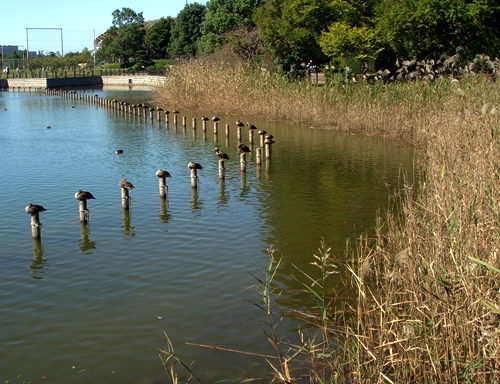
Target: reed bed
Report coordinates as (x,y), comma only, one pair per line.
(428,285)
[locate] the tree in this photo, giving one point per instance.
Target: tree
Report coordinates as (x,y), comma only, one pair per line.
(158,38)
(186,30)
(126,17)
(427,28)
(124,38)
(292,27)
(223,16)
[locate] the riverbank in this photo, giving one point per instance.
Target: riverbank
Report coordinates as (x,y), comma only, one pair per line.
(32,84)
(427,307)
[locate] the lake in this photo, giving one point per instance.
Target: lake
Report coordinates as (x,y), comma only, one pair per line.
(91,303)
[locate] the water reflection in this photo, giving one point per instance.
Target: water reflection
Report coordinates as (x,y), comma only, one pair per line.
(127,228)
(195,203)
(222,197)
(84,244)
(37,263)
(164,215)
(245,190)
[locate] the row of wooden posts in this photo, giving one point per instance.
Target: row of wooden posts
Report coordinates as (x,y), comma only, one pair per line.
(141,109)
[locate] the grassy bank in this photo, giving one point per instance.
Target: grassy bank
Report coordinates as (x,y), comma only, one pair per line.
(428,286)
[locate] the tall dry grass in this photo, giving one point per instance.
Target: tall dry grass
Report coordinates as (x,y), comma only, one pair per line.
(428,287)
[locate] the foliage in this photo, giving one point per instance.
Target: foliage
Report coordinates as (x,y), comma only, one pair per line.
(222,16)
(186,30)
(429,28)
(158,38)
(126,16)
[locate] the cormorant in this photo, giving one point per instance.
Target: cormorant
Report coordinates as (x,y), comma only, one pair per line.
(251,126)
(162,173)
(244,148)
(215,119)
(221,154)
(126,184)
(83,195)
(192,165)
(119,151)
(34,208)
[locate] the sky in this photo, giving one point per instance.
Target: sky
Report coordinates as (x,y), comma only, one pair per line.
(78,20)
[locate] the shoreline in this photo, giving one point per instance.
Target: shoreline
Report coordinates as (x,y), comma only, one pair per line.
(43,83)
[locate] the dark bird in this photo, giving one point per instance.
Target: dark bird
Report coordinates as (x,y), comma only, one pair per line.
(204,118)
(5,109)
(162,173)
(269,136)
(215,119)
(83,195)
(221,154)
(244,148)
(192,165)
(126,184)
(175,111)
(262,132)
(239,124)
(251,126)
(119,151)
(167,112)
(34,208)
(159,109)
(48,127)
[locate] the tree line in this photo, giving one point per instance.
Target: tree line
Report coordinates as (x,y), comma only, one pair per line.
(369,34)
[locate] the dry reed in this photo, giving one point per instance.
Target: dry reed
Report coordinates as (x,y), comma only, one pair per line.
(427,310)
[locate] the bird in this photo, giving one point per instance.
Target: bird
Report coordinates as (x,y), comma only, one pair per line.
(83,195)
(175,111)
(262,132)
(34,208)
(239,124)
(204,118)
(221,154)
(215,119)
(251,126)
(269,136)
(193,165)
(244,148)
(5,109)
(162,173)
(126,184)
(48,127)
(119,151)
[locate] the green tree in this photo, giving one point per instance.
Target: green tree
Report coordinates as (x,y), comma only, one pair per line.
(126,16)
(124,38)
(292,27)
(186,30)
(158,38)
(426,28)
(221,17)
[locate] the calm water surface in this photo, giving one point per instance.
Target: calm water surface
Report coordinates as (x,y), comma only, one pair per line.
(90,304)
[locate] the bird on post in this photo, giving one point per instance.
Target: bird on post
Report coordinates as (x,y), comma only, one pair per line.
(34,209)
(239,124)
(244,148)
(204,118)
(83,195)
(269,136)
(221,154)
(215,119)
(175,111)
(126,184)
(251,126)
(193,165)
(162,173)
(262,132)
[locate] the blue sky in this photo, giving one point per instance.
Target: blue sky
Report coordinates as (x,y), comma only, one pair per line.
(80,21)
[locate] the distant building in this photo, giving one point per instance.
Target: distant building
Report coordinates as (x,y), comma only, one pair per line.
(6,50)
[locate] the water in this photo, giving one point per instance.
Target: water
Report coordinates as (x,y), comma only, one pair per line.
(90,304)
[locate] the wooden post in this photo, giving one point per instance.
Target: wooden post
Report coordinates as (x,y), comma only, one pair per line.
(162,175)
(194,122)
(194,178)
(268,150)
(222,170)
(250,136)
(184,123)
(84,212)
(125,199)
(243,162)
(258,156)
(167,113)
(36,226)
(227,130)
(216,127)
(151,112)
(238,133)
(175,118)
(204,124)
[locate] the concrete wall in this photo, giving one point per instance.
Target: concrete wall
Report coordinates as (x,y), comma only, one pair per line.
(15,84)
